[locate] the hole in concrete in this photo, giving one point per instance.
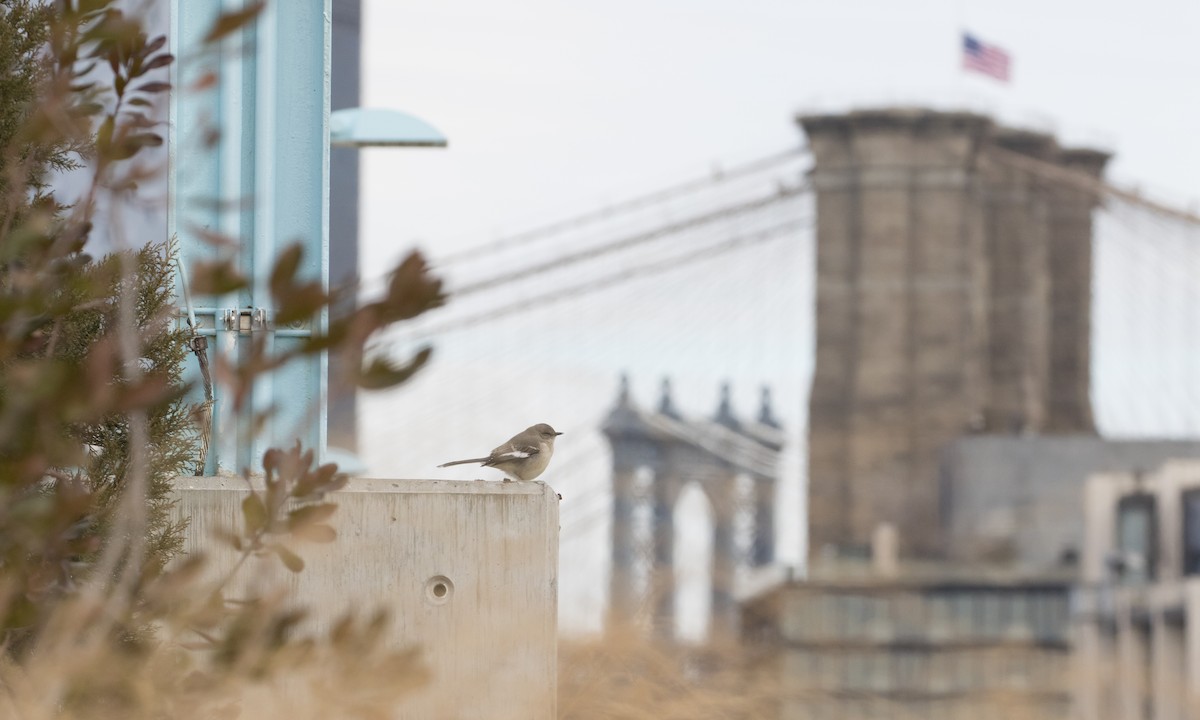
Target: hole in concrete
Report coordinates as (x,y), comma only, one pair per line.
(438,589)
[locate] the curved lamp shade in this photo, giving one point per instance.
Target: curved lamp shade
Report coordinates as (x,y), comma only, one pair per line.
(361,127)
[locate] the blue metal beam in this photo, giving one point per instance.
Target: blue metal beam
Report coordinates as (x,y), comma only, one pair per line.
(265,183)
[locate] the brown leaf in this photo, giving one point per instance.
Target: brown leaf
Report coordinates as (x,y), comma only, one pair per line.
(159,61)
(153,87)
(217,278)
(205,81)
(212,238)
(154,44)
(310,514)
(290,559)
(149,392)
(384,373)
(231,21)
(412,290)
(317,533)
(284,273)
(300,302)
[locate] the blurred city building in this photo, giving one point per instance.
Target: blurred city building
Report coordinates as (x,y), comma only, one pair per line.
(916,642)
(1138,642)
(950,418)
(951,432)
(1015,500)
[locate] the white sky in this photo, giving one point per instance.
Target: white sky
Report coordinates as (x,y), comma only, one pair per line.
(557,108)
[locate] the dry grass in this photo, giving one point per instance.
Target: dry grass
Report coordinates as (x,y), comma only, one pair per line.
(628,676)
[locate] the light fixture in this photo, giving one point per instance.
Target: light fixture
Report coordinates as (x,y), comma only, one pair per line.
(363,127)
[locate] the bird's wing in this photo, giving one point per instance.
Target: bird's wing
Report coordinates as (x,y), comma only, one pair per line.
(508,452)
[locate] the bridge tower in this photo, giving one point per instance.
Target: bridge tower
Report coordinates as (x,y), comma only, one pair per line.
(952,297)
(655,456)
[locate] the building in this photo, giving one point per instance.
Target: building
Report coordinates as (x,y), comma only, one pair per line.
(1138,609)
(917,644)
(950,424)
(987,630)
(1015,500)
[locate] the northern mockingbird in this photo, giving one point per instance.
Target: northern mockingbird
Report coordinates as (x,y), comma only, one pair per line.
(523,457)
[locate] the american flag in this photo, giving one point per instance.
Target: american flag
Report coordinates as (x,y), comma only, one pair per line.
(985,58)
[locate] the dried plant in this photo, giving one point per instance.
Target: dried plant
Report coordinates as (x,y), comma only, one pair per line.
(97,616)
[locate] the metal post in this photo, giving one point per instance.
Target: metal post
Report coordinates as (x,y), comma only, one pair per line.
(343,208)
(265,183)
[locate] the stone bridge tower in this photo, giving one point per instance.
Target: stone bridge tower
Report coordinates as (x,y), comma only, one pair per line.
(657,454)
(953,296)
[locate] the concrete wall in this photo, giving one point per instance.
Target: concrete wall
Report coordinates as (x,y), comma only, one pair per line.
(490,641)
(1017,499)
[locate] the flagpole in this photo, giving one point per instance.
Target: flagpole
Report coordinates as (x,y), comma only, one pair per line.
(959,74)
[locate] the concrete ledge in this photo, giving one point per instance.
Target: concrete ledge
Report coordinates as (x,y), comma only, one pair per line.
(467,570)
(453,487)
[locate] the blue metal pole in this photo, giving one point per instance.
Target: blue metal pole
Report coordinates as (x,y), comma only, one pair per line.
(265,183)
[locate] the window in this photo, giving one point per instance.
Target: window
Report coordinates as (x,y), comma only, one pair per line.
(1191,532)
(1137,527)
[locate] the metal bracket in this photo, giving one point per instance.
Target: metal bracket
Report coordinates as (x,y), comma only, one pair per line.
(246,320)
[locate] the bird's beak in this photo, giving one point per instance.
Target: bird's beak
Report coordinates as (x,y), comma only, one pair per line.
(558,433)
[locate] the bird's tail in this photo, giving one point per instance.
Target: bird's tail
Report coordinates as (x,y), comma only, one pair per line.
(463,462)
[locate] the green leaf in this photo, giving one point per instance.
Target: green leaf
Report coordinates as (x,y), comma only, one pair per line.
(255,513)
